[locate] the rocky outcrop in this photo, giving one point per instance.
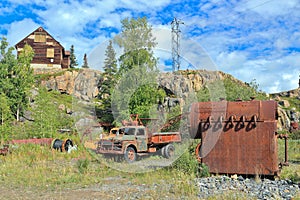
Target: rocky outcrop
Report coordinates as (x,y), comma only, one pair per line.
(283,122)
(80,83)
(86,84)
(287,114)
(83,83)
(290,93)
(185,82)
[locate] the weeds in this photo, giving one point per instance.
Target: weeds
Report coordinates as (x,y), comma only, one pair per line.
(39,167)
(187,162)
(291,172)
(82,165)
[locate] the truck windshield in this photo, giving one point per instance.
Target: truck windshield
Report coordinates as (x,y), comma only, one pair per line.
(129,131)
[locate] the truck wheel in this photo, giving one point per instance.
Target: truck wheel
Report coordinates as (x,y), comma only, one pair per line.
(130,154)
(169,151)
(162,152)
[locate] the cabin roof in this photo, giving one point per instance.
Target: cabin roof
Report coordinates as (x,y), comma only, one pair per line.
(39,29)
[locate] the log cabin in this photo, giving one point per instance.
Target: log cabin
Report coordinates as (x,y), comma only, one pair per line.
(48,52)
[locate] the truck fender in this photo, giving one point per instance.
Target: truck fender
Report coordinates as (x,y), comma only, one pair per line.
(127,145)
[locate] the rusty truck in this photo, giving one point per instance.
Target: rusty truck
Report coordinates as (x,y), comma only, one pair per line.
(134,140)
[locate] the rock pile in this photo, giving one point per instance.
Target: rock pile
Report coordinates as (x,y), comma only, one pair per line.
(251,188)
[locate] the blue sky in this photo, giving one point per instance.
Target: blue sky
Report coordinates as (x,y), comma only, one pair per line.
(249,39)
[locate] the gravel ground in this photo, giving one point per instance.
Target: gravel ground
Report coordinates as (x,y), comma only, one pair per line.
(252,188)
(119,188)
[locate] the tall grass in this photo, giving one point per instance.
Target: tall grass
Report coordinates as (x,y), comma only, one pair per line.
(39,168)
(292,171)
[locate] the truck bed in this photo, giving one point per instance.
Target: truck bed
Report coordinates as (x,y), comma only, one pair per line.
(164,137)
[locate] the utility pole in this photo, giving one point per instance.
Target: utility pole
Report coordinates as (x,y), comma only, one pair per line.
(176,43)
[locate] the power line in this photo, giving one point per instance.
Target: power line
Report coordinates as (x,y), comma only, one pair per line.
(263,3)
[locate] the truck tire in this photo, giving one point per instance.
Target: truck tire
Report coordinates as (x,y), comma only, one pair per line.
(169,151)
(130,155)
(162,152)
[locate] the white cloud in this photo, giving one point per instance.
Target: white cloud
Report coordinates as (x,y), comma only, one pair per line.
(67,22)
(268,73)
(249,39)
(231,60)
(142,5)
(20,29)
(270,8)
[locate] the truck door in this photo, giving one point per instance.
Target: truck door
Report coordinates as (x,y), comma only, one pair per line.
(141,139)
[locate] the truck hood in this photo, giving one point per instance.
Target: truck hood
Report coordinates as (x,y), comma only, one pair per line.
(119,138)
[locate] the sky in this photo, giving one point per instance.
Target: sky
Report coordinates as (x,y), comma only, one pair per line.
(249,39)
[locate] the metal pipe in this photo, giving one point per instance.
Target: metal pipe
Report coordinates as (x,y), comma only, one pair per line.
(286,162)
(285,137)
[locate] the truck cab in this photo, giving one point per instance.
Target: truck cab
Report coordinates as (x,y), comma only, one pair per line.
(136,135)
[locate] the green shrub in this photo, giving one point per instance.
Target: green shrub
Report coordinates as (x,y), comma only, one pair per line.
(203,170)
(188,164)
(82,165)
(230,90)
(295,135)
(291,172)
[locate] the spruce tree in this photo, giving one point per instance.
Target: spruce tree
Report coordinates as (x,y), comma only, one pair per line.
(73,60)
(85,62)
(110,70)
(108,81)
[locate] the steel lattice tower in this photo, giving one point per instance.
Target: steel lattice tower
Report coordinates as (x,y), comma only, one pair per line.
(176,43)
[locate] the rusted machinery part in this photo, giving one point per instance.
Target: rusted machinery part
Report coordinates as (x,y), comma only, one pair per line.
(254,119)
(197,152)
(62,145)
(39,141)
(242,144)
(286,159)
(5,150)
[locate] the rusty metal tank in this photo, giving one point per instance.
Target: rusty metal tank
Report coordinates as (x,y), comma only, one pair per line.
(236,137)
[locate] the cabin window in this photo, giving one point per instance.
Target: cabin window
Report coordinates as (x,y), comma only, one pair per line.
(39,37)
(50,53)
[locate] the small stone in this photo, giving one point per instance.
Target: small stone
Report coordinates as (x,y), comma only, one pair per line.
(286,191)
(240,178)
(234,177)
(232,188)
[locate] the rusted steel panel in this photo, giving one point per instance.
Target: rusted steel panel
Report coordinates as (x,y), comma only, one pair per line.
(40,141)
(161,138)
(240,139)
(243,152)
(268,110)
(243,108)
